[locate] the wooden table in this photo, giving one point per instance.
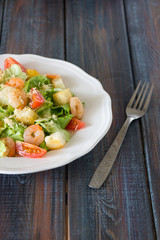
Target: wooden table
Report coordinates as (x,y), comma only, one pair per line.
(118,42)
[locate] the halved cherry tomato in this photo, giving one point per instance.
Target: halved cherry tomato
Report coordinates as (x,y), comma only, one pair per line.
(75,124)
(29,150)
(37,98)
(10,61)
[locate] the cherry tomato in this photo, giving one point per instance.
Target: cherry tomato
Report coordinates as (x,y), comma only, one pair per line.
(37,98)
(75,124)
(10,61)
(29,150)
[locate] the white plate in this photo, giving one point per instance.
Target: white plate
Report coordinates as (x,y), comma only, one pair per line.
(97,117)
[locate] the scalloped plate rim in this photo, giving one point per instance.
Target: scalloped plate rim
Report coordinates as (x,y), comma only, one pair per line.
(47,166)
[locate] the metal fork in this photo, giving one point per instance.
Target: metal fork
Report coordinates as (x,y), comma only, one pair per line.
(136,108)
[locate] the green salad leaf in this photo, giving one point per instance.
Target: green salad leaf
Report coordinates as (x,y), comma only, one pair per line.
(14,71)
(45,109)
(3,126)
(44,146)
(3,113)
(47,91)
(15,131)
(6,112)
(36,82)
(52,127)
(2,148)
(63,121)
(61,110)
(43,120)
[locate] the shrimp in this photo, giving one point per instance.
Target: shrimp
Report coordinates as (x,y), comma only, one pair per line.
(34,135)
(14,97)
(76,106)
(16,82)
(10,147)
(17,98)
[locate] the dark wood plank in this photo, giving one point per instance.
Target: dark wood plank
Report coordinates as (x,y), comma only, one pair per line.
(35,209)
(1,14)
(37,25)
(33,206)
(144,28)
(97,42)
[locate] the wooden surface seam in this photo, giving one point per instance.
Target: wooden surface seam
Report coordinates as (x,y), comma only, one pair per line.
(118,43)
(143,23)
(140,123)
(114,71)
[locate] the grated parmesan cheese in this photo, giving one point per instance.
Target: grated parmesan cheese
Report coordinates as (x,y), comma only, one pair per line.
(9,122)
(54,117)
(46,87)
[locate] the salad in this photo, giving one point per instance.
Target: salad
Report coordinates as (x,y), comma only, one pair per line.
(37,112)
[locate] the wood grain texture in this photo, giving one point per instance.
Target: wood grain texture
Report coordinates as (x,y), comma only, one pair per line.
(1,15)
(143,19)
(33,206)
(38,25)
(96,40)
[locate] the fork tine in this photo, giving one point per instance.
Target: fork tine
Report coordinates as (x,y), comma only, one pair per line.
(134,95)
(139,95)
(148,99)
(144,94)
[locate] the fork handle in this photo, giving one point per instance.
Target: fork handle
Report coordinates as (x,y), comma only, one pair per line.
(107,162)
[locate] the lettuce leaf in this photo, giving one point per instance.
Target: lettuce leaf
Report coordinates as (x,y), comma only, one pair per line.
(43,120)
(3,113)
(3,126)
(15,132)
(47,91)
(14,71)
(61,110)
(44,146)
(52,127)
(45,109)
(6,112)
(63,121)
(36,82)
(2,148)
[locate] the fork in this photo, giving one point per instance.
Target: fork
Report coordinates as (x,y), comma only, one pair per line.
(135,109)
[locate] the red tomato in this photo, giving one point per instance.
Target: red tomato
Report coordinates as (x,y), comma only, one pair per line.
(75,124)
(10,61)
(37,98)
(29,150)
